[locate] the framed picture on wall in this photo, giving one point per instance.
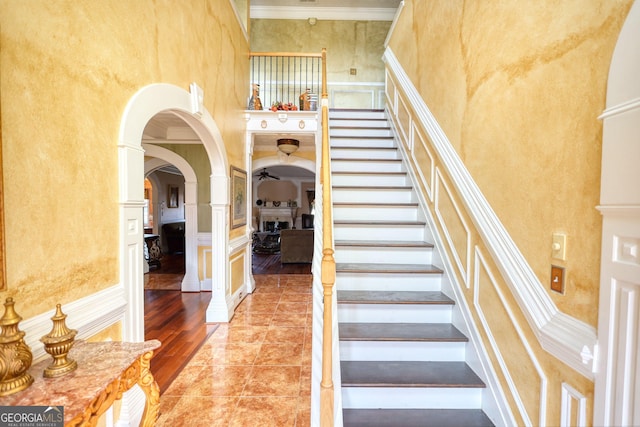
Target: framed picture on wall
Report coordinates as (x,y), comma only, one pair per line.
(172,196)
(238,197)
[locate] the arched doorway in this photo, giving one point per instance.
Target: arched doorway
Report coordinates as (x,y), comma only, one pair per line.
(190,282)
(142,107)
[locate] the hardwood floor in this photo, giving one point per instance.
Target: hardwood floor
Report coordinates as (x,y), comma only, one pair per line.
(270,264)
(177,319)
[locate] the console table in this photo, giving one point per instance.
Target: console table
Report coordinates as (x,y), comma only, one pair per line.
(105,371)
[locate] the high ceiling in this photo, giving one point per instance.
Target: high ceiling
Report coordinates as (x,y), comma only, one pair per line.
(168,128)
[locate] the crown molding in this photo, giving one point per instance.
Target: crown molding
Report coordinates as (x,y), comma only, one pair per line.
(323,13)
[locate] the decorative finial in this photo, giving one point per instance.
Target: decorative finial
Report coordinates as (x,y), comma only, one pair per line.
(15,354)
(57,343)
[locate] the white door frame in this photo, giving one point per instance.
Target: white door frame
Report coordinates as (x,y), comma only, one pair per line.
(617,377)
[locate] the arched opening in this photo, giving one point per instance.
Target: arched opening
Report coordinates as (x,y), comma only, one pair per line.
(185,217)
(280,202)
(143,106)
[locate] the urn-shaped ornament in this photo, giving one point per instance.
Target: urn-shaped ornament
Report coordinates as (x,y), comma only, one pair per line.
(57,343)
(15,354)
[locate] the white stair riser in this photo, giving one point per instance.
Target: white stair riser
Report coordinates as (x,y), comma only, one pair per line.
(394,313)
(375,213)
(402,351)
(411,397)
(337,141)
(371,166)
(359,132)
(369,153)
(363,179)
(360,123)
(356,114)
(390,255)
(380,232)
(373,195)
(388,282)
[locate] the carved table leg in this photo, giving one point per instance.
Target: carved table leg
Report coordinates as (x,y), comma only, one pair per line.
(150,388)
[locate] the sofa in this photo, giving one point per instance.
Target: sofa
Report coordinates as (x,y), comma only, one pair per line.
(296,246)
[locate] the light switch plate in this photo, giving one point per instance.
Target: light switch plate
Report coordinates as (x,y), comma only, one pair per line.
(559,246)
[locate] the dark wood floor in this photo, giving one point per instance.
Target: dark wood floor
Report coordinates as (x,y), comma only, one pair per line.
(177,319)
(270,264)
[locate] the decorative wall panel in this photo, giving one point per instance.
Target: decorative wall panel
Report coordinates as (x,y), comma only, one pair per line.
(525,379)
(573,407)
(404,122)
(456,231)
(423,158)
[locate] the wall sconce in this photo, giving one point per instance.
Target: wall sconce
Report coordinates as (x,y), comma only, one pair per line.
(312,21)
(288,146)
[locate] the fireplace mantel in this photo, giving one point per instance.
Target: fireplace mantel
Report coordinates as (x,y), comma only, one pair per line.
(276,214)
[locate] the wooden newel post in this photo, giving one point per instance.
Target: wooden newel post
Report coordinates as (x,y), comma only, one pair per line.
(328,276)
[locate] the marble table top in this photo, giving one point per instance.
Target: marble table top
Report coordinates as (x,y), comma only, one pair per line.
(99,365)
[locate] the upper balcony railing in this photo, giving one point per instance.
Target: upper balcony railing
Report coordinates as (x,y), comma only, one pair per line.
(285,79)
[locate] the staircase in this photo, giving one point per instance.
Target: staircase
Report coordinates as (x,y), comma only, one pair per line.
(402,360)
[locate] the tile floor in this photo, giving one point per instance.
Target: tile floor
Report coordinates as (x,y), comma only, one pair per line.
(255,370)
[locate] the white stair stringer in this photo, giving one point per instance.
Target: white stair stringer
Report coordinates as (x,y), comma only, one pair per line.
(397,343)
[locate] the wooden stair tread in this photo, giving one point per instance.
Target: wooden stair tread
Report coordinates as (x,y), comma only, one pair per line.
(393,297)
(375,173)
(359,147)
(415,418)
(376,119)
(358,110)
(359,137)
(408,374)
(360,127)
(376,204)
(347,159)
(372,187)
(384,243)
(423,332)
(347,267)
(376,222)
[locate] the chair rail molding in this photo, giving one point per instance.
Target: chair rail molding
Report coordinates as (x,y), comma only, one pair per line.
(567,338)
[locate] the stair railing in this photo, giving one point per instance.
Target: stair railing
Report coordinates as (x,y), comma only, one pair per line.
(281,78)
(328,267)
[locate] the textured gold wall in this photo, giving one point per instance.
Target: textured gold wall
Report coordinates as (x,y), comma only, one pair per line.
(517,87)
(68,69)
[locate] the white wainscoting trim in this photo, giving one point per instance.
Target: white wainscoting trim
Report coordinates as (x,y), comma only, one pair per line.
(238,244)
(428,184)
(497,408)
(465,270)
(570,394)
(565,337)
(620,108)
(480,261)
(88,315)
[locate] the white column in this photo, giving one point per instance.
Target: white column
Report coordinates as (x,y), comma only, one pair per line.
(220,309)
(191,282)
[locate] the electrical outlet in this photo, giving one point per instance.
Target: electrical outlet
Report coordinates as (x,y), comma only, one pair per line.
(557,279)
(353,71)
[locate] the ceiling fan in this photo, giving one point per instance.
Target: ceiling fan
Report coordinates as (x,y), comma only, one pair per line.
(266,175)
